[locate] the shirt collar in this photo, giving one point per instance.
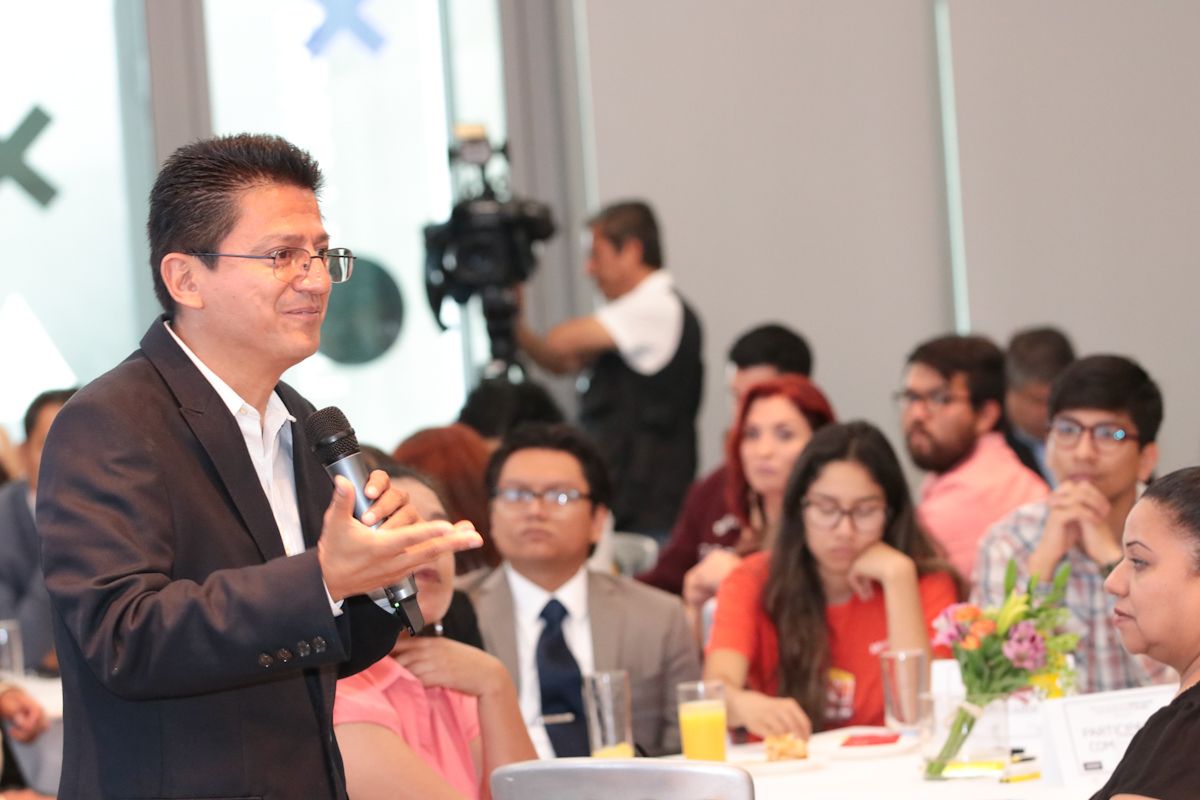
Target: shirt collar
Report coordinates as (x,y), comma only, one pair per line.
(277,412)
(529,599)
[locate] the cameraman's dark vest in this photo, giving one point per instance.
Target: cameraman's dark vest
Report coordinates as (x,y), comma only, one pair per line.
(645,425)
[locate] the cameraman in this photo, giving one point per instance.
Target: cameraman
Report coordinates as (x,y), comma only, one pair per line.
(640,354)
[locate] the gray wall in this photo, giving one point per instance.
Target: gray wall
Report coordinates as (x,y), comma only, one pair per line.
(794,153)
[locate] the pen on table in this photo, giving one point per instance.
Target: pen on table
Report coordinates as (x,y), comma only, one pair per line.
(1028,776)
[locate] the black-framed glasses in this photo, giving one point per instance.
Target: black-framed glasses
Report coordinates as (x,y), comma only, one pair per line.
(289,263)
(935,400)
(1105,436)
(827,515)
(519,496)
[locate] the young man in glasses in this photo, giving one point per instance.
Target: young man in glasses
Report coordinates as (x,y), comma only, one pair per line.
(550,620)
(1105,412)
(208,583)
(951,410)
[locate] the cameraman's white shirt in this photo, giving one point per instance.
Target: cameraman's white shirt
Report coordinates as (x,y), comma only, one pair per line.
(646,323)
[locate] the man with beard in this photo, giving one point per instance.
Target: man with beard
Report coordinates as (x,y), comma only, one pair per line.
(951,410)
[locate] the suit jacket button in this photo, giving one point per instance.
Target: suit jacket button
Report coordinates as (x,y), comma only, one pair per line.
(318,644)
(265,660)
(284,655)
(303,649)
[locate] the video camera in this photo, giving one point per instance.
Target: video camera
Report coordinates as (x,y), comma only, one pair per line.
(485,248)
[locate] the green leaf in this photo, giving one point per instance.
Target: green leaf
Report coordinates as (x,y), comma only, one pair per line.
(1010,577)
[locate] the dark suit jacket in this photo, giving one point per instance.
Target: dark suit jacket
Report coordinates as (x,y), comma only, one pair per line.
(197,660)
(635,627)
(22,590)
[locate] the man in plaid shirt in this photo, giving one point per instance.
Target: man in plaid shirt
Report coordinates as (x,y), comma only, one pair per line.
(1105,412)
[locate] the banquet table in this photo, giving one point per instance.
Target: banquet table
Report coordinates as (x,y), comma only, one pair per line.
(894,775)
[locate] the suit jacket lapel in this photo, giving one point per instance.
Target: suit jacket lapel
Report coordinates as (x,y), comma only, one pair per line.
(218,433)
(497,621)
(603,600)
(313,486)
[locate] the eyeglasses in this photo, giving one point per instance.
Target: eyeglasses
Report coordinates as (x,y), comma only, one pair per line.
(935,400)
(288,263)
(516,497)
(825,515)
(1106,436)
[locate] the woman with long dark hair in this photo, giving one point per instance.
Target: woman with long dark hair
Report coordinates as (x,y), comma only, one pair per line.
(775,420)
(798,628)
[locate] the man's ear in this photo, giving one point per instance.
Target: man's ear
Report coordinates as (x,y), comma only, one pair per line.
(987,416)
(632,251)
(1147,461)
(178,271)
(599,523)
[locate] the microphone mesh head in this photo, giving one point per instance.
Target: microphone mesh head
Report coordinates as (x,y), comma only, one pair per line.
(329,435)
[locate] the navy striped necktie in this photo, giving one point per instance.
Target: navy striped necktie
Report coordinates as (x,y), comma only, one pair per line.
(561,684)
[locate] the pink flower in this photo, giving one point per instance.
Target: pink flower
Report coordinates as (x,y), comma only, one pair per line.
(1025,648)
(947,628)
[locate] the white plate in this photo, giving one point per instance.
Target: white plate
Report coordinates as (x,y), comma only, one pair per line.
(753,759)
(829,743)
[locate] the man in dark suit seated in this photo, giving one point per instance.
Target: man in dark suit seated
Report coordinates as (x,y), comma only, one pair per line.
(207,590)
(550,620)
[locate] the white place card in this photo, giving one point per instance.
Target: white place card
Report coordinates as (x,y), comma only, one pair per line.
(1089,733)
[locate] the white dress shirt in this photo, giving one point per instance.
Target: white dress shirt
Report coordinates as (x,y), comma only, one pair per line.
(646,323)
(528,601)
(269,443)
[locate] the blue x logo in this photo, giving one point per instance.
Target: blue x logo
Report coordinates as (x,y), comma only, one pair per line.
(12,157)
(343,15)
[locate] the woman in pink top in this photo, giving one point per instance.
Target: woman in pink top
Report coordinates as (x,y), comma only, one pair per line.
(434,720)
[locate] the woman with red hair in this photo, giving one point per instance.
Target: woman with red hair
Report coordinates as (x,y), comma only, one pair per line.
(775,420)
(456,457)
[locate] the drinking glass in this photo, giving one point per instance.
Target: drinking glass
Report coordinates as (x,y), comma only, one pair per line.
(702,719)
(607,698)
(905,680)
(12,657)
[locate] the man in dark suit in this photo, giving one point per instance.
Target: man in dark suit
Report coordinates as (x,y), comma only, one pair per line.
(207,591)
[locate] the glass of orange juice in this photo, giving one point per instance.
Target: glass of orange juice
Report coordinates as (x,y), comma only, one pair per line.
(606,696)
(702,719)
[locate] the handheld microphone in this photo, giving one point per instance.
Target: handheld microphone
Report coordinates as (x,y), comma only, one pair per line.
(333,442)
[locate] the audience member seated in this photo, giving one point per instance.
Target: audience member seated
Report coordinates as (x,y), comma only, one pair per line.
(435,719)
(1157,590)
(706,523)
(798,629)
(23,594)
(456,456)
(1106,413)
(774,423)
(1035,357)
(550,620)
(497,405)
(24,721)
(951,412)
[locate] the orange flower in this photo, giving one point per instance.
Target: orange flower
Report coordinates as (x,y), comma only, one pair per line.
(969,642)
(982,627)
(966,613)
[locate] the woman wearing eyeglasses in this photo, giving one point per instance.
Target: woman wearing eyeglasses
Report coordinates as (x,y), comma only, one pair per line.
(1157,591)
(776,419)
(798,628)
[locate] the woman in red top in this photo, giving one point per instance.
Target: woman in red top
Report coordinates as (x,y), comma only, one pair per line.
(775,420)
(798,628)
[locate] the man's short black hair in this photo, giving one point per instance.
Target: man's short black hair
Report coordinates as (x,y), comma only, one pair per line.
(564,438)
(1037,355)
(631,219)
(497,405)
(194,202)
(772,345)
(977,357)
(1111,383)
(48,399)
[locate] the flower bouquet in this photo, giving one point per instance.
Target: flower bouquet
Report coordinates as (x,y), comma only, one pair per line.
(1002,651)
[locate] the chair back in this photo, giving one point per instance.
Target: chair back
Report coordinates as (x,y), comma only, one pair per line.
(623,778)
(634,552)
